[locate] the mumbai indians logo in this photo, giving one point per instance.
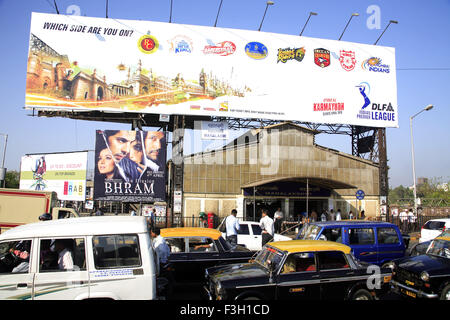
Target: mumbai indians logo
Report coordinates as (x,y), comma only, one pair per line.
(181,45)
(375,64)
(290,54)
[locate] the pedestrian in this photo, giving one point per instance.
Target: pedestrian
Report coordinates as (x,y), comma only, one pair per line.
(350,215)
(313,216)
(99,212)
(338,215)
(266,224)
(323,216)
(278,216)
(152,218)
(160,245)
(411,220)
(133,213)
(332,215)
(363,215)
(232,227)
(404,219)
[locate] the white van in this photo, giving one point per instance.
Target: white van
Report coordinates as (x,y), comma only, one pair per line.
(76,259)
(432,228)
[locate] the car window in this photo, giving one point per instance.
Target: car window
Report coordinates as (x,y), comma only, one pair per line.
(387,236)
(176,245)
(243,229)
(434,225)
(66,254)
(330,260)
(309,232)
(201,244)
(333,234)
(299,262)
(15,256)
(361,236)
(439,248)
(256,228)
(114,251)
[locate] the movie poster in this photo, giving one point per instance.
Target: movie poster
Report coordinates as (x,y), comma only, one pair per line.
(130,166)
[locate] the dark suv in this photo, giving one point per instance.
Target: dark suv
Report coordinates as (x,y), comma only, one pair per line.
(372,242)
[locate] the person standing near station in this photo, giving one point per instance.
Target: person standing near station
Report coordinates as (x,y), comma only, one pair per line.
(338,215)
(232,227)
(278,216)
(266,224)
(332,215)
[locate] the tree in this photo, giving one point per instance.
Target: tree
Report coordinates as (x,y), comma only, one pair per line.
(12,179)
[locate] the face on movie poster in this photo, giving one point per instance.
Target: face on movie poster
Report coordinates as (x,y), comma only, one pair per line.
(130,165)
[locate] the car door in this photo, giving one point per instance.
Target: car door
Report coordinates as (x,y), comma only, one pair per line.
(178,258)
(298,278)
(362,242)
(336,275)
(56,280)
(244,236)
(16,269)
(203,253)
(389,245)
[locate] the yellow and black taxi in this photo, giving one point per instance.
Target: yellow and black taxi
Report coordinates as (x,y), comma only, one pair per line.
(192,250)
(424,276)
(299,269)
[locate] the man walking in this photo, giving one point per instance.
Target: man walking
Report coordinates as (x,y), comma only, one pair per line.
(278,216)
(232,227)
(266,224)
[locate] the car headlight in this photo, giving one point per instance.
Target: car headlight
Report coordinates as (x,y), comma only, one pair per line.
(425,276)
(390,265)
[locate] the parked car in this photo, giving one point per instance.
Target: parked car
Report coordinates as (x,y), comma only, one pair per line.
(192,250)
(78,259)
(433,228)
(372,242)
(424,276)
(249,235)
(298,270)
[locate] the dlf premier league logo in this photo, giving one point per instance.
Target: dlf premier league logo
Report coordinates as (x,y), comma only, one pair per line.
(378,111)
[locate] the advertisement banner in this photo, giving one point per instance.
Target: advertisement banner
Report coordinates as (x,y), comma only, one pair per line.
(84,64)
(64,173)
(214,130)
(130,166)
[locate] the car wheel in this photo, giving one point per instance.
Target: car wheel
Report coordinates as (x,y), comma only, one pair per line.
(445,294)
(362,294)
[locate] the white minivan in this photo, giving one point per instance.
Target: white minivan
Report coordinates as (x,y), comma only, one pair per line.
(84,258)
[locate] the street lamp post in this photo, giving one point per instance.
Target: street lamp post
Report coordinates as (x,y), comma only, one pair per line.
(268,3)
(353,15)
(309,17)
(3,170)
(391,21)
(218,11)
(427,108)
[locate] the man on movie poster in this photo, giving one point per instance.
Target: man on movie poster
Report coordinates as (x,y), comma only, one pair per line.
(130,165)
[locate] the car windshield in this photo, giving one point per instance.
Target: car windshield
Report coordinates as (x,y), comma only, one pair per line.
(440,248)
(309,232)
(269,255)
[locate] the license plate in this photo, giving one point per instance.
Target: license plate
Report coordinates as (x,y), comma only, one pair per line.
(409,293)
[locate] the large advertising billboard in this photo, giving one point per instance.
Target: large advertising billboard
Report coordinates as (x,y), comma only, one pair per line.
(130,166)
(82,63)
(64,173)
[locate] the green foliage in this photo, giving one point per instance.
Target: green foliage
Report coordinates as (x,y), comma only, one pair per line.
(431,189)
(12,179)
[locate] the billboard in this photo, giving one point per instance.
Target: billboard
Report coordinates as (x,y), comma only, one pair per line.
(64,173)
(130,166)
(82,64)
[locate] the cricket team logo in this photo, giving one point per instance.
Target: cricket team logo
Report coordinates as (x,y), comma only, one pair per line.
(290,54)
(347,60)
(181,45)
(148,44)
(224,48)
(322,57)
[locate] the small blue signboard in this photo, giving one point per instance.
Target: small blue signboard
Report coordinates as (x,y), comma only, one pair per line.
(360,194)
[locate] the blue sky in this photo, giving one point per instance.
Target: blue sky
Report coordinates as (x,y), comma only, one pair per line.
(421,39)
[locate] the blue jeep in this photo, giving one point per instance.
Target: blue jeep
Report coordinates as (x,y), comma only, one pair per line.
(371,242)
